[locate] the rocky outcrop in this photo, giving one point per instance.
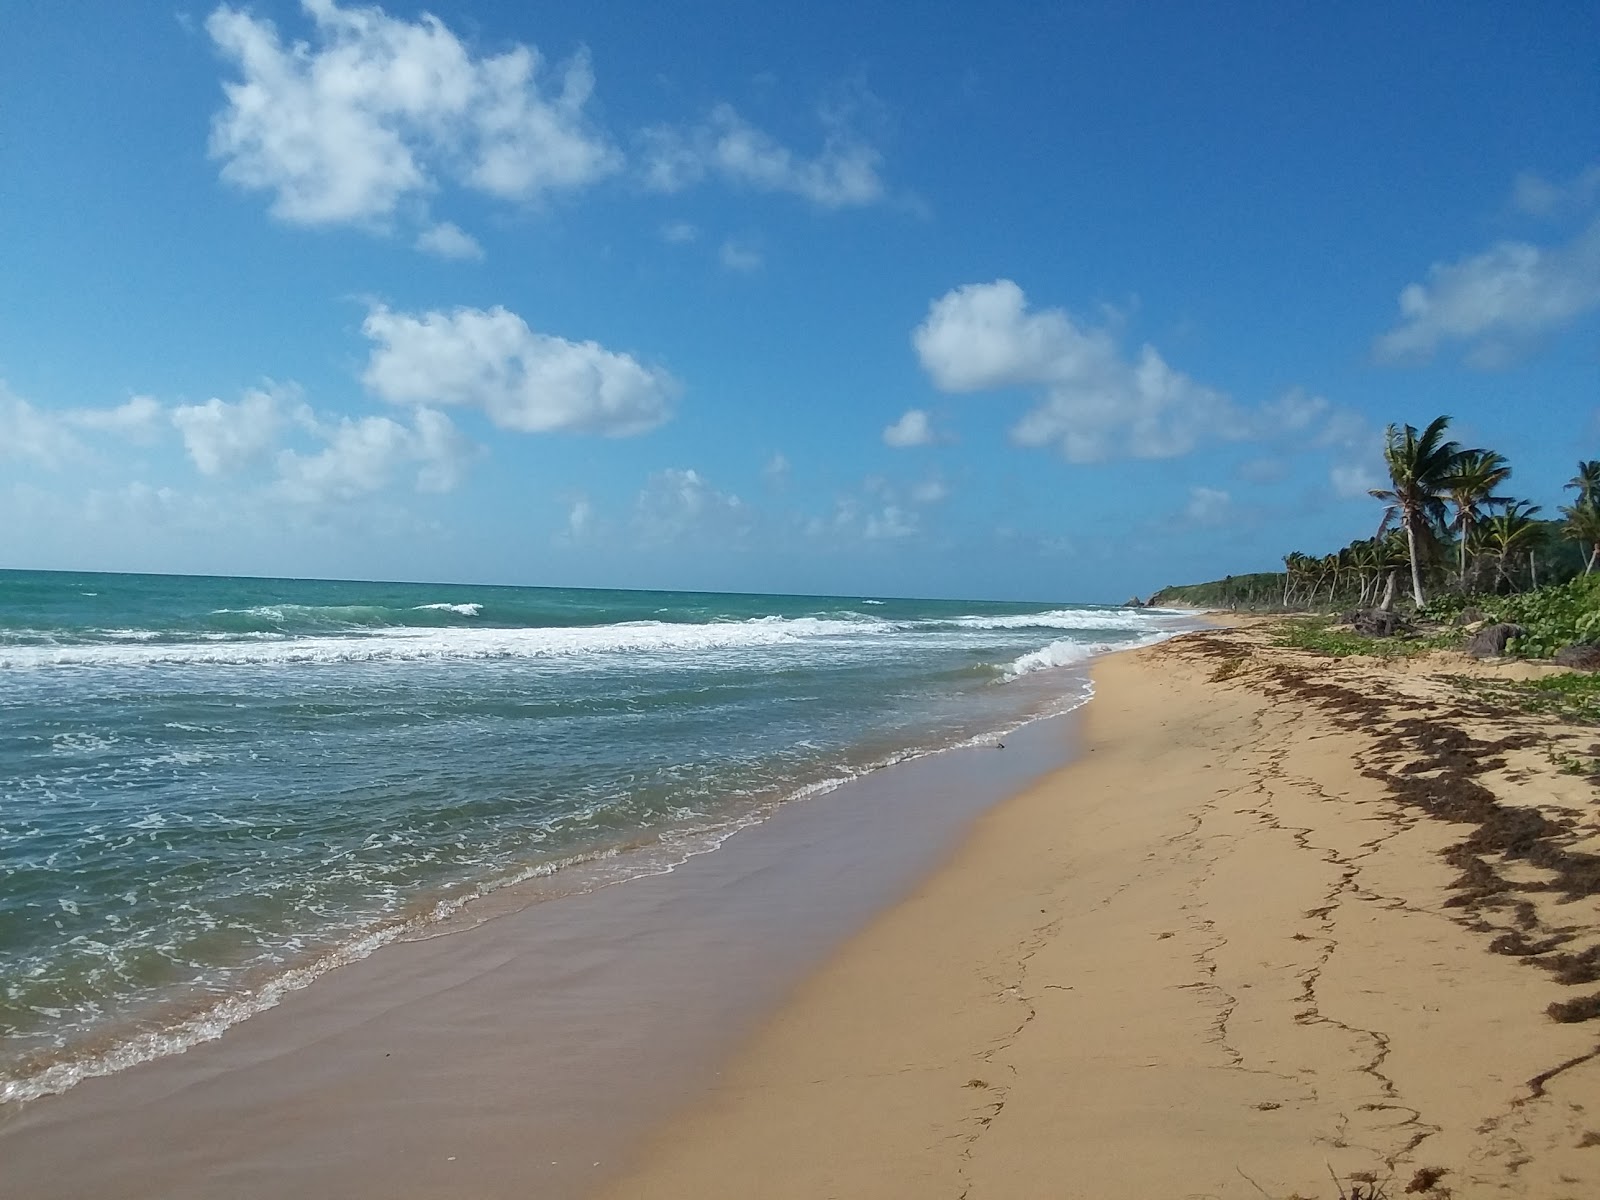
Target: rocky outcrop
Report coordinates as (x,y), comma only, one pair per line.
(1490,641)
(1580,656)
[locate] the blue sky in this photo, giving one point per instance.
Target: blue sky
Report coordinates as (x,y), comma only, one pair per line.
(922,300)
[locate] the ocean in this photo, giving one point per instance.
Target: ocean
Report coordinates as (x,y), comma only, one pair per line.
(213,790)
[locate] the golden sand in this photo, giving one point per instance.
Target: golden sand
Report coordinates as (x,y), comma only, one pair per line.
(1289,927)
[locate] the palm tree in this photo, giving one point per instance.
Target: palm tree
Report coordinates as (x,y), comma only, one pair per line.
(1294,566)
(1471,488)
(1420,470)
(1367,560)
(1508,532)
(1587,483)
(1583,527)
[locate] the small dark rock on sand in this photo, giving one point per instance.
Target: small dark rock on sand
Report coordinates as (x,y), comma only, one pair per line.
(1581,656)
(1490,641)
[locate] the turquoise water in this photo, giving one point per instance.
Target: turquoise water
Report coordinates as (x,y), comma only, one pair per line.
(214,789)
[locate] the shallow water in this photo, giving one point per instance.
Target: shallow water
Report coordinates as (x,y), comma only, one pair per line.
(214,789)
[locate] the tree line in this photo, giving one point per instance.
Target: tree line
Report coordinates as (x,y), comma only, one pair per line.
(1449,522)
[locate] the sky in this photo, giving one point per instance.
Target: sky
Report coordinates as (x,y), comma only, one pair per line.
(990,301)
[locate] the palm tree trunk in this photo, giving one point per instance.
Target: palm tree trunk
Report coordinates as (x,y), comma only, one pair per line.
(1388,590)
(1416,564)
(1533,570)
(1594,552)
(1463,583)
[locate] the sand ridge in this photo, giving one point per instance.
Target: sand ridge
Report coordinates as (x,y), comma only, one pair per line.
(1289,926)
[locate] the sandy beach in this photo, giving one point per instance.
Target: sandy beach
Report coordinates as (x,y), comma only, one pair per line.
(1284,925)
(1290,926)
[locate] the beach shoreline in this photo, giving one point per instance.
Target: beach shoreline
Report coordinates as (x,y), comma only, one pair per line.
(1268,935)
(1204,936)
(532,1041)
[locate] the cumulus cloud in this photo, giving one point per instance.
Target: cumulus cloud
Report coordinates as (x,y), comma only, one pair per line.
(1496,304)
(1094,403)
(889,522)
(526,381)
(447,240)
(139,419)
(843,174)
(221,437)
(363,455)
(878,511)
(679,233)
(49,437)
(371,111)
(1354,480)
(912,429)
(31,434)
(678,502)
(777,470)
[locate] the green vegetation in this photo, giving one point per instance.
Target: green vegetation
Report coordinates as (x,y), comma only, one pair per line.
(1554,616)
(1568,695)
(1452,530)
(1319,635)
(1261,590)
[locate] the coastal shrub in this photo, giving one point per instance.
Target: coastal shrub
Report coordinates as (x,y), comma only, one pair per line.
(1553,616)
(1318,635)
(1445,607)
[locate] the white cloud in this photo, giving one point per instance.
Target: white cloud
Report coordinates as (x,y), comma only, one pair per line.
(144,505)
(1351,480)
(138,420)
(1093,403)
(29,433)
(49,437)
(1539,197)
(679,233)
(777,470)
(739,256)
(363,455)
(373,110)
(843,174)
(878,511)
(888,523)
(581,522)
(677,502)
(222,437)
(1208,506)
(912,429)
(447,240)
(1496,303)
(527,381)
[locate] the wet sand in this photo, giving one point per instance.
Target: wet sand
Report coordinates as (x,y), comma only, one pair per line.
(524,1055)
(1290,927)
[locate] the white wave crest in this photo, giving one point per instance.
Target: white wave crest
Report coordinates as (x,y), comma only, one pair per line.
(643,641)
(1065,652)
(1060,618)
(464,610)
